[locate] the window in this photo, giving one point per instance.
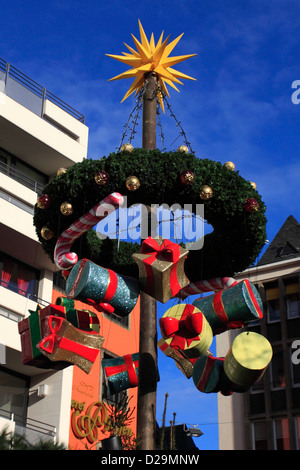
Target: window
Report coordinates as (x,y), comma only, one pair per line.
(297,426)
(281,434)
(277,370)
(273,306)
(292,299)
(259,435)
(18,277)
(13,395)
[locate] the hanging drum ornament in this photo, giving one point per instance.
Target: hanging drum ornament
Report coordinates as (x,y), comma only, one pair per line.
(89,282)
(231,308)
(209,377)
(247,359)
(121,373)
(185,328)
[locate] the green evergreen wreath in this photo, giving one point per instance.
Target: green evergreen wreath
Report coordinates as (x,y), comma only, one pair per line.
(234,244)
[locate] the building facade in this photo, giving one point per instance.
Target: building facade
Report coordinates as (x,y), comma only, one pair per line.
(39,134)
(268,416)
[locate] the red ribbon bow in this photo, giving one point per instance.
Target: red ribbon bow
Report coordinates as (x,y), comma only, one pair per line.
(48,343)
(167,251)
(185,330)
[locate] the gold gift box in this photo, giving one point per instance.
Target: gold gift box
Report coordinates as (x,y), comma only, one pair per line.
(161,288)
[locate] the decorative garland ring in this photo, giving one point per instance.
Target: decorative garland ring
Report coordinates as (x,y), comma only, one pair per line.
(232,206)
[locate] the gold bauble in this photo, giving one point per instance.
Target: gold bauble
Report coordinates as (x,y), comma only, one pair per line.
(47,233)
(66,208)
(206,192)
(132,183)
(253,184)
(229,165)
(126,148)
(183,149)
(61,171)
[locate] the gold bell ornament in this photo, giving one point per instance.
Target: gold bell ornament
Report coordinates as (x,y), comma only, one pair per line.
(206,192)
(66,208)
(132,183)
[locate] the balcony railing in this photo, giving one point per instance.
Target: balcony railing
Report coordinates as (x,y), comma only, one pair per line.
(30,94)
(21,178)
(32,429)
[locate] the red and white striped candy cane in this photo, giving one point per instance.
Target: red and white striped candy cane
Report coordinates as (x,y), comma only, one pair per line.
(211,285)
(63,257)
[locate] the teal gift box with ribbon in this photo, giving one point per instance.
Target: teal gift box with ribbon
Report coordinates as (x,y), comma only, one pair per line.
(231,308)
(99,286)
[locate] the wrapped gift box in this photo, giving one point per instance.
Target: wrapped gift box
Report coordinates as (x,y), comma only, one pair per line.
(186,329)
(63,342)
(231,308)
(89,282)
(121,373)
(32,330)
(209,377)
(161,268)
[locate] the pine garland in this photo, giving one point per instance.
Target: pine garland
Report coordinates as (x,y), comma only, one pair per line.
(234,244)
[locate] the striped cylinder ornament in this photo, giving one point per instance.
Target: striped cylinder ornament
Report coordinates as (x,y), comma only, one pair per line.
(209,377)
(232,308)
(96,285)
(210,285)
(206,374)
(64,258)
(121,373)
(248,358)
(184,327)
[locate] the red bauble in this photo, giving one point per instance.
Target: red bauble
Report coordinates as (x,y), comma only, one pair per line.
(101,177)
(186,177)
(43,201)
(251,205)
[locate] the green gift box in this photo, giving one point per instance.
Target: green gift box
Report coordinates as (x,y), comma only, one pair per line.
(33,328)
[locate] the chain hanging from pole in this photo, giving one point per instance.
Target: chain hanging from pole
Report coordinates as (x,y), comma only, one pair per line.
(133,118)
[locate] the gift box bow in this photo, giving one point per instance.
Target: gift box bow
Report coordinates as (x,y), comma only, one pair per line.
(184,330)
(168,250)
(54,339)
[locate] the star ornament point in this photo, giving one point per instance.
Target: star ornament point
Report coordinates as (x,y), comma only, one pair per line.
(151,57)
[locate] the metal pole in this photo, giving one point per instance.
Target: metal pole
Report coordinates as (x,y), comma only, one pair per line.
(148,373)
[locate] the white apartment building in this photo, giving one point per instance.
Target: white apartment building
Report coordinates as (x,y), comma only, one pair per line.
(268,416)
(39,134)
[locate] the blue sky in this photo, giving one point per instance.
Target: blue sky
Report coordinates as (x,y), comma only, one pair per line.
(239,109)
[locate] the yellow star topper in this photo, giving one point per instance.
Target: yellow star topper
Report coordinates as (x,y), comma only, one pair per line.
(151,57)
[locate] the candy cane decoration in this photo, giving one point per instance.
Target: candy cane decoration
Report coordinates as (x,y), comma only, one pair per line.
(212,285)
(63,257)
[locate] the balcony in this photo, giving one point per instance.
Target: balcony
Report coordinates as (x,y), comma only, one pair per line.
(37,126)
(30,94)
(32,429)
(21,178)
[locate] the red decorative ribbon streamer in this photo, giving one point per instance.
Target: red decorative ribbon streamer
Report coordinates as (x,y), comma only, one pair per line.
(129,366)
(167,251)
(49,343)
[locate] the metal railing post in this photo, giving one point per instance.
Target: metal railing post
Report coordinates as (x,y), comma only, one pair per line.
(6,75)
